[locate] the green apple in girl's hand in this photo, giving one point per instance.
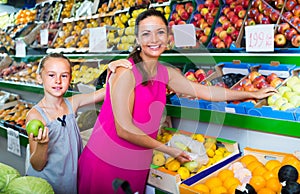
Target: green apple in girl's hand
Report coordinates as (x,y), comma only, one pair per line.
(33,127)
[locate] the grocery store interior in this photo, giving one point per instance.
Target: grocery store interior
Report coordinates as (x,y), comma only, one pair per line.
(240,45)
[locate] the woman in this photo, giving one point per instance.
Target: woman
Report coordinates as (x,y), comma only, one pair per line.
(124,135)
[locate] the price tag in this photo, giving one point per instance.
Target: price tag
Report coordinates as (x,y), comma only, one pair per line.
(229,109)
(20,48)
(184,35)
(13,142)
(97,42)
(44,36)
(259,38)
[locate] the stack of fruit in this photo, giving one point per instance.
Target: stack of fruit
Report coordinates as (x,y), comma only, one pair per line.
(67,10)
(288,96)
(198,75)
(24,16)
(258,177)
(56,11)
(116,5)
(214,150)
(181,13)
(288,31)
(204,18)
(53,28)
(229,23)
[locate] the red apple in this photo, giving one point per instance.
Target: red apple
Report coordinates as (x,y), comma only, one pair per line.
(210,20)
(228,2)
(223,35)
(203,39)
(225,10)
(279,40)
(181,22)
(215,40)
(289,33)
(171,23)
(230,14)
(228,41)
(258,18)
(238,24)
(222,19)
(265,20)
(279,4)
(295,20)
(252,12)
(283,27)
(245,4)
(190,76)
(274,15)
(242,14)
(296,11)
(296,41)
(258,80)
(252,75)
(235,34)
(263,84)
(197,16)
(262,6)
(245,82)
(250,88)
(290,4)
(207,30)
(249,22)
(200,7)
(234,19)
(237,9)
(226,24)
(203,25)
(218,30)
(184,15)
(268,10)
(211,6)
(238,87)
(286,16)
(256,3)
(276,82)
(190,10)
(209,72)
(271,76)
(198,72)
(179,6)
(220,45)
(230,30)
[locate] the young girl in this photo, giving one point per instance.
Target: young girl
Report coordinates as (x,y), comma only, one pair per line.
(55,151)
(124,134)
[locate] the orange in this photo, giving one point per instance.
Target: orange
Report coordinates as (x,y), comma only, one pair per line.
(266,191)
(223,174)
(288,158)
(219,190)
(202,188)
(257,182)
(271,164)
(254,164)
(246,159)
(260,170)
(213,182)
(269,174)
(276,170)
(274,184)
(231,181)
(232,188)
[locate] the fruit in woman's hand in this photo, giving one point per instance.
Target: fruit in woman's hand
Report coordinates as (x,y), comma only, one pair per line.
(33,127)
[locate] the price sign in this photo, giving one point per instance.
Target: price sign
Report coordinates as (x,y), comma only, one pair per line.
(13,142)
(44,36)
(184,35)
(97,42)
(20,48)
(260,38)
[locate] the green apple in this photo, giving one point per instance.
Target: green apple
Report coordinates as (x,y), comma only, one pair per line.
(287,106)
(33,127)
(284,89)
(289,94)
(292,81)
(280,101)
(273,98)
(295,100)
(193,166)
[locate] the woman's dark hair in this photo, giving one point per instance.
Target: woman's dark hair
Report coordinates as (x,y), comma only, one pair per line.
(135,54)
(52,55)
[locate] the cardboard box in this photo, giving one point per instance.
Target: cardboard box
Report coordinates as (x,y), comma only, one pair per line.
(169,181)
(262,156)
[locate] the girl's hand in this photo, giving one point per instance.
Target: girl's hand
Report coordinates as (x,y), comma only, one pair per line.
(180,155)
(42,137)
(265,92)
(112,66)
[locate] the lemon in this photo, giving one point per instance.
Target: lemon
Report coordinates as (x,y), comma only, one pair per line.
(183,172)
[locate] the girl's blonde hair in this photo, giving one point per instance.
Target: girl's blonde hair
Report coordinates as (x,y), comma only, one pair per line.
(52,55)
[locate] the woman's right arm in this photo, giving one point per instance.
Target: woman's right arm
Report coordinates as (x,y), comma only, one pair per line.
(38,145)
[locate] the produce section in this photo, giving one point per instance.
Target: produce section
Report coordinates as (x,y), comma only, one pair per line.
(277,115)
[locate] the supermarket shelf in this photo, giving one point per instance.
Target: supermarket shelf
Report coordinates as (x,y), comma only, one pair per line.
(23,138)
(267,125)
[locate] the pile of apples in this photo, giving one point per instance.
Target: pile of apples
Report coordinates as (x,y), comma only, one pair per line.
(288,96)
(288,31)
(198,75)
(203,19)
(255,81)
(229,23)
(181,13)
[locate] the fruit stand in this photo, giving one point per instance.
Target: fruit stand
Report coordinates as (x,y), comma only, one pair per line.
(220,40)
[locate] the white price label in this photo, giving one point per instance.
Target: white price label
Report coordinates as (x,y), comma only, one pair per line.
(13,142)
(44,36)
(97,42)
(259,38)
(20,48)
(184,35)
